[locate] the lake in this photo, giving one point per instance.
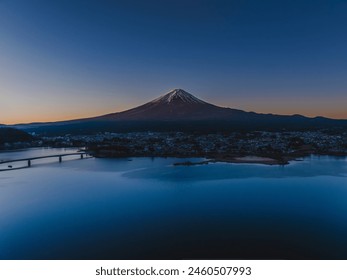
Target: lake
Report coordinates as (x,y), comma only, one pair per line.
(146,208)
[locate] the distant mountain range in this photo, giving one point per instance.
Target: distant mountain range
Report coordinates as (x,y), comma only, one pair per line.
(179,110)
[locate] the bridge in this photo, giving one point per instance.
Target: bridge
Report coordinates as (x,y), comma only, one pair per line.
(81,155)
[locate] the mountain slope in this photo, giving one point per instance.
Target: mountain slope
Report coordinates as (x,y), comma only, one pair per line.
(175,105)
(10,135)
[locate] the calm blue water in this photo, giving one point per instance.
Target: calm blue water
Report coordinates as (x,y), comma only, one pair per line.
(146,208)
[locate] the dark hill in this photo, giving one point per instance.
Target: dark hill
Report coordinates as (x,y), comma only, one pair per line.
(11,135)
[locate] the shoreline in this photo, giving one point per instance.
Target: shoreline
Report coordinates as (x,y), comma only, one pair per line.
(264,158)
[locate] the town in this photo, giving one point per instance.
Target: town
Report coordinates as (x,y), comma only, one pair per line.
(281,146)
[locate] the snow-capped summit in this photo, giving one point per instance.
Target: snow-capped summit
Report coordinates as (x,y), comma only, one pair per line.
(178,95)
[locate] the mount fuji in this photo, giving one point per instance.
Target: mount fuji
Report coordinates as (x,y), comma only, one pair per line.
(179,110)
(175,105)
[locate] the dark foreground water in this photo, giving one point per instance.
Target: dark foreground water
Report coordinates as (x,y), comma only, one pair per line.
(145,208)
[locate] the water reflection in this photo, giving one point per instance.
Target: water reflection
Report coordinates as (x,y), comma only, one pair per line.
(149,209)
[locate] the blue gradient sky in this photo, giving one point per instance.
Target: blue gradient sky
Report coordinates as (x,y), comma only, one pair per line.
(69,59)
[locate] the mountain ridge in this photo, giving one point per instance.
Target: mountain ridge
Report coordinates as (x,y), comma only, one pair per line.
(180,110)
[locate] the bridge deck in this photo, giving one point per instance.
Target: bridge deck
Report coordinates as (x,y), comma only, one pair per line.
(50,156)
(60,156)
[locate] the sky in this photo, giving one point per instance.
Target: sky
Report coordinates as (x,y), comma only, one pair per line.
(70,59)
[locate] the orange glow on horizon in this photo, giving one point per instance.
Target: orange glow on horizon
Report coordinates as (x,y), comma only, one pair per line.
(260,108)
